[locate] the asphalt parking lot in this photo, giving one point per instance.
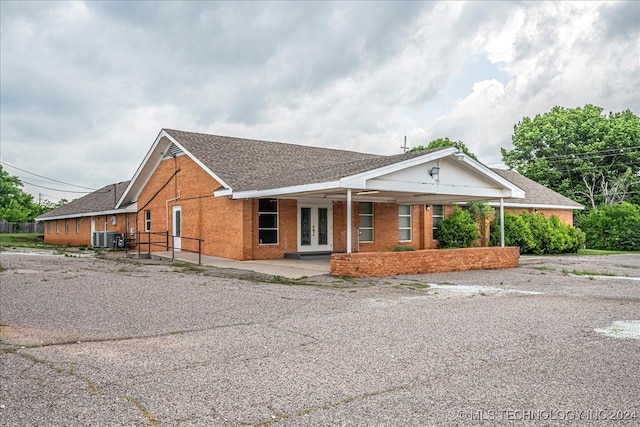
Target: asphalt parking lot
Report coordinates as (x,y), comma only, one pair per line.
(110,342)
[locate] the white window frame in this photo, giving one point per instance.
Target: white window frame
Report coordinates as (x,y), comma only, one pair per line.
(360,227)
(434,226)
(277,222)
(147,220)
(57,226)
(400,227)
(66,226)
(77,225)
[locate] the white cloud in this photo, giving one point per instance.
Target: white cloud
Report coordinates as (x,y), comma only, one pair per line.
(87,83)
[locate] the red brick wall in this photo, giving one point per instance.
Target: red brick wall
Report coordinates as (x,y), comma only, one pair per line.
(369,264)
(64,235)
(217,220)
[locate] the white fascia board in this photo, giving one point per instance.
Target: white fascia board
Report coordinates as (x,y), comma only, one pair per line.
(357,180)
(535,206)
(515,191)
(85,214)
(223,192)
(139,175)
(199,163)
(253,194)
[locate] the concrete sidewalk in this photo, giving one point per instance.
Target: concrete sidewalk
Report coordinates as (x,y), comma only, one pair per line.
(289,268)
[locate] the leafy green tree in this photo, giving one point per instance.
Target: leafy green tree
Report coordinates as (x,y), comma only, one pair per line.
(613,227)
(15,204)
(457,230)
(444,143)
(581,153)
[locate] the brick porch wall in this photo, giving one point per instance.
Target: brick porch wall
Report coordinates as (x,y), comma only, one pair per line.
(370,264)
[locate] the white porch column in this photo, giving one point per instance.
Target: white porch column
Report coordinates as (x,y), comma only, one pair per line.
(348,220)
(502,222)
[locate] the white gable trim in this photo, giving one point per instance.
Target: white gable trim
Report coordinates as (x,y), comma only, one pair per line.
(150,163)
(359,180)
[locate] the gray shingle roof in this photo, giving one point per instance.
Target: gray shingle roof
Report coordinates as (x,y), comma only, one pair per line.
(98,201)
(246,164)
(535,194)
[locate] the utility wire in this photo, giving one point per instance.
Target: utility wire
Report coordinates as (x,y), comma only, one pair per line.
(50,179)
(63,191)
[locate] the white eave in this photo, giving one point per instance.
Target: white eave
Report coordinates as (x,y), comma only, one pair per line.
(129,209)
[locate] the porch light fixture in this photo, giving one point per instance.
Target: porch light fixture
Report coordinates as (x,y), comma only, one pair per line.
(363,193)
(434,171)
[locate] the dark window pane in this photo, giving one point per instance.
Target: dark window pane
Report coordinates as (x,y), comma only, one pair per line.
(268,236)
(268,221)
(268,205)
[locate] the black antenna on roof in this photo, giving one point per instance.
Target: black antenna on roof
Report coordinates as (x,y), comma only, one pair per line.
(404,147)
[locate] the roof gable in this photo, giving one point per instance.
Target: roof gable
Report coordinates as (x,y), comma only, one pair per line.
(101,200)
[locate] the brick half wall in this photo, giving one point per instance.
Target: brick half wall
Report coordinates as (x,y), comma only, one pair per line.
(370,264)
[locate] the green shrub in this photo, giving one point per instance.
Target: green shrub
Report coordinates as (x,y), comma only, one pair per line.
(612,227)
(401,248)
(536,234)
(458,230)
(516,233)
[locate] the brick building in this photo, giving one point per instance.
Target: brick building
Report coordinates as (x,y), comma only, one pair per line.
(248,199)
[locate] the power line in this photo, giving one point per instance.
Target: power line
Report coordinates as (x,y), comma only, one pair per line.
(62,191)
(47,178)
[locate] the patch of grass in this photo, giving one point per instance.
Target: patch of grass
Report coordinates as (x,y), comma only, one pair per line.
(26,240)
(604,252)
(2,268)
(544,268)
(188,268)
(401,248)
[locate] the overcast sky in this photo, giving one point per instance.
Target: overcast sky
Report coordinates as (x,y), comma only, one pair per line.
(87,86)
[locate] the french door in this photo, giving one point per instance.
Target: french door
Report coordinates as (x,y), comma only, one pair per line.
(315,227)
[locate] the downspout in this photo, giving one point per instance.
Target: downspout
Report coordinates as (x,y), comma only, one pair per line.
(348,220)
(502,222)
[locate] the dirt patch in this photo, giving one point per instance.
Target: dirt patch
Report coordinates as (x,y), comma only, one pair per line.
(30,337)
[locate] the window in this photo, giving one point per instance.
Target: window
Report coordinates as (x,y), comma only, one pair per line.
(436,215)
(57,227)
(268,221)
(147,220)
(48,227)
(365,216)
(66,226)
(404,223)
(77,225)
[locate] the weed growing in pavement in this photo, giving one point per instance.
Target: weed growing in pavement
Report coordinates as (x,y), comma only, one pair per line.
(290,282)
(544,268)
(413,286)
(591,273)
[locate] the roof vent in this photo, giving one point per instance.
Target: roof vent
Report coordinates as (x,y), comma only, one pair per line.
(173,151)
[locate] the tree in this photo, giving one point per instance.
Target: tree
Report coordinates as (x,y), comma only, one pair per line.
(580,153)
(15,204)
(444,143)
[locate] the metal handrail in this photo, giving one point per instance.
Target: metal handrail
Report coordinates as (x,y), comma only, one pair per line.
(173,251)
